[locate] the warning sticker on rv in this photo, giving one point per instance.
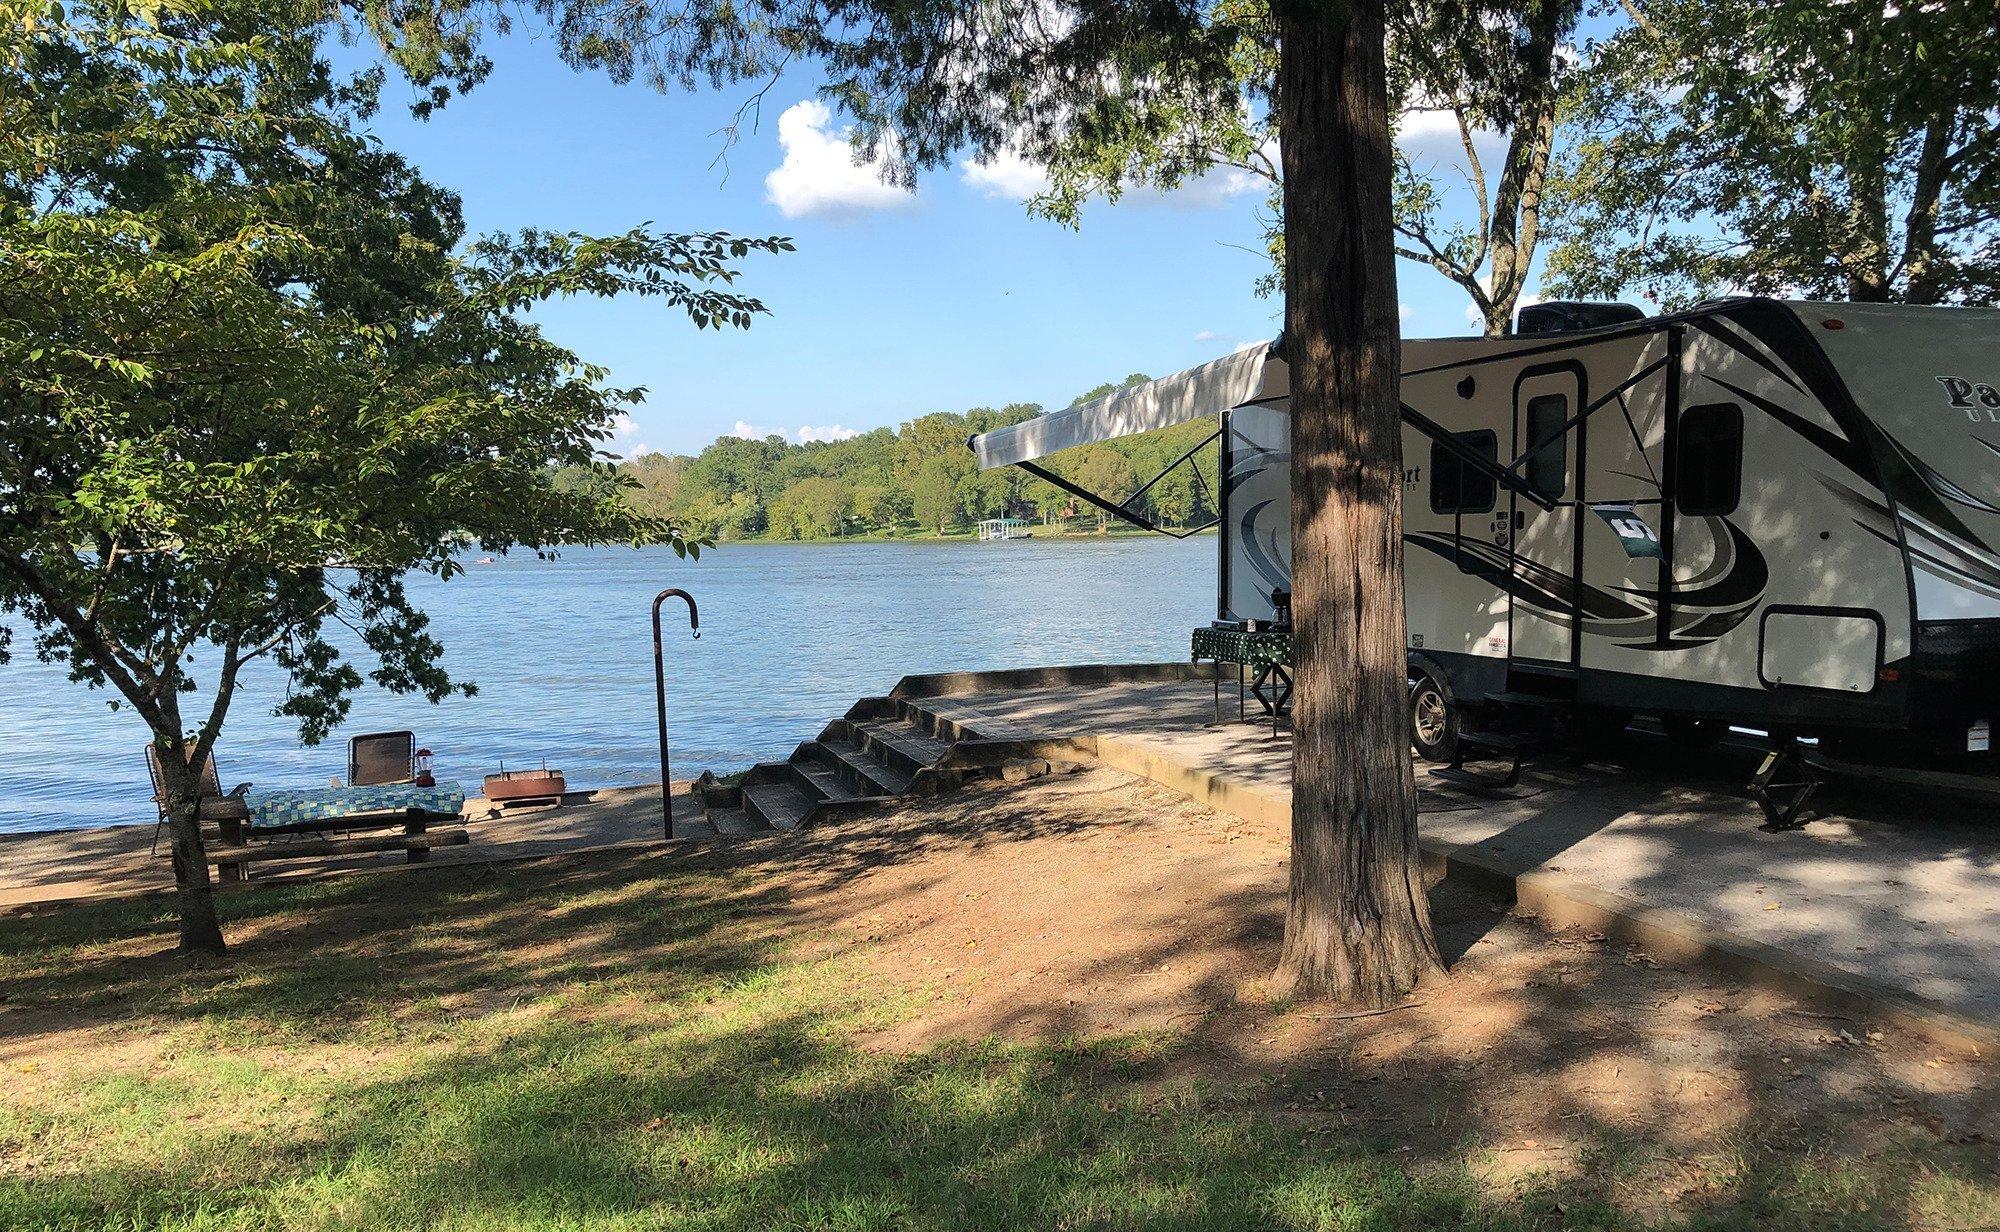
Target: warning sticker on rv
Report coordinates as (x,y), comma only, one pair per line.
(1631,529)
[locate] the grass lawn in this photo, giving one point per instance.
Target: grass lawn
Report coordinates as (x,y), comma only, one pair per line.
(632,1044)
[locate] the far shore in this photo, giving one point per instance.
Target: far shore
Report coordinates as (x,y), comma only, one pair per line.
(953,537)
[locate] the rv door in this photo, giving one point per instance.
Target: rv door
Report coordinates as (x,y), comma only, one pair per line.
(1542,616)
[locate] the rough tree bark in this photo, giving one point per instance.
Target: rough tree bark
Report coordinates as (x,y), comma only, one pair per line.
(194,896)
(1357,925)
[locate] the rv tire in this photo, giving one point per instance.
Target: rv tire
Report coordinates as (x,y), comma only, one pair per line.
(1434,717)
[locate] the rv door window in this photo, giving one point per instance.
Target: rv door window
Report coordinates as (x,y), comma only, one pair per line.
(1548,467)
(1456,487)
(1708,461)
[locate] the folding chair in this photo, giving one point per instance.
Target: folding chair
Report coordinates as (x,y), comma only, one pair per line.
(375,758)
(210,802)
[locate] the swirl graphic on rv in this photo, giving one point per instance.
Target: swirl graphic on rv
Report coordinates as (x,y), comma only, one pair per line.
(1717,598)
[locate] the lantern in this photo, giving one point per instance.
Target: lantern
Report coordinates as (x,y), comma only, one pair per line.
(420,769)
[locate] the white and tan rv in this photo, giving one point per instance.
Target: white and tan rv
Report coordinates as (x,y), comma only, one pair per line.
(1779,515)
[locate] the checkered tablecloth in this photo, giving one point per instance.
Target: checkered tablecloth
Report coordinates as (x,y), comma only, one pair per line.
(291,805)
(1263,649)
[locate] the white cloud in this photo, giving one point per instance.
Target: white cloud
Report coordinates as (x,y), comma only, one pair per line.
(1207,335)
(624,438)
(1208,189)
(805,432)
(1006,175)
(819,174)
(1010,176)
(1431,141)
(1402,311)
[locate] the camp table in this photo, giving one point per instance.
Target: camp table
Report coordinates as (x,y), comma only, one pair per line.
(292,806)
(1266,651)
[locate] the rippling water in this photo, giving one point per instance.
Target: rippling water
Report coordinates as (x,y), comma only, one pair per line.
(562,653)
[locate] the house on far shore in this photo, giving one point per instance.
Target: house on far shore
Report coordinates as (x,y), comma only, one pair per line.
(1005,528)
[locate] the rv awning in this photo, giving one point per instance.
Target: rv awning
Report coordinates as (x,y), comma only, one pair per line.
(1248,375)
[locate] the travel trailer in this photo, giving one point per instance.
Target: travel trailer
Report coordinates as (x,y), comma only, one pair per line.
(1777,515)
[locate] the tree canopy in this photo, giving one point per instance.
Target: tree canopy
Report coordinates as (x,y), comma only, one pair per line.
(252,375)
(1490,72)
(1838,151)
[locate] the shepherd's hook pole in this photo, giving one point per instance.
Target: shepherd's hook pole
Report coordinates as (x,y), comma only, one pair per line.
(660,694)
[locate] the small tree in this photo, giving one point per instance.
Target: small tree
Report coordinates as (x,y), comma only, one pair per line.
(250,380)
(1837,151)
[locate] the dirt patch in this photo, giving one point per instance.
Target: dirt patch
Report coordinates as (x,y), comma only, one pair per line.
(1100,903)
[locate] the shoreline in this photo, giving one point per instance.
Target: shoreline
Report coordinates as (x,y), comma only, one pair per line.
(968,537)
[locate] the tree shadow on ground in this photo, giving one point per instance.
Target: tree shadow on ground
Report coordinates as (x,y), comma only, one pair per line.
(630,1040)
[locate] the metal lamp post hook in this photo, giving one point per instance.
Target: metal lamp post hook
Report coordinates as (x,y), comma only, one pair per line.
(660,696)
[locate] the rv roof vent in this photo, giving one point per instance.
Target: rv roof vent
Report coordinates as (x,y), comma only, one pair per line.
(1566,316)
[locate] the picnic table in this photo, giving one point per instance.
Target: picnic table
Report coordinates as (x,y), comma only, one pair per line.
(1267,652)
(291,805)
(305,815)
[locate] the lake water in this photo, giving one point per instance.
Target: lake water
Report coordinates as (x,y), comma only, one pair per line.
(562,653)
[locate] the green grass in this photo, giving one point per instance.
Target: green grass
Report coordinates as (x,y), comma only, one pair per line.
(624,1050)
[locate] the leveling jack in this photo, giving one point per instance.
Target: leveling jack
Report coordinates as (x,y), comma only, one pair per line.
(1784,784)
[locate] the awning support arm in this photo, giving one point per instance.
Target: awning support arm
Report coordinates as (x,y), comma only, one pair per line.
(1592,409)
(1457,449)
(1148,486)
(1117,511)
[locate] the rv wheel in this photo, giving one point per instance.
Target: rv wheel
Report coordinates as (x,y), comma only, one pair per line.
(1433,719)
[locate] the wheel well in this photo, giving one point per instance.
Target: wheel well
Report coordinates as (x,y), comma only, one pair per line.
(1422,664)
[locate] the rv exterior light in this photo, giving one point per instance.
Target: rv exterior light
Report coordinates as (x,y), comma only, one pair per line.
(1833,323)
(1889,675)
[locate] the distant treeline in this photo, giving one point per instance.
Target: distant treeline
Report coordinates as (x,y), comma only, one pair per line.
(918,479)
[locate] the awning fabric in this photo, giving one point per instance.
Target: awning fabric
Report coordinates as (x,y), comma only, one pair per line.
(1248,375)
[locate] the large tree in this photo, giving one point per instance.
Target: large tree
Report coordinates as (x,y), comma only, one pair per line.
(1489,74)
(250,379)
(1790,147)
(927,80)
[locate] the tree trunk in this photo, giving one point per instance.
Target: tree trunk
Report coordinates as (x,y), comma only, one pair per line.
(1357,925)
(201,932)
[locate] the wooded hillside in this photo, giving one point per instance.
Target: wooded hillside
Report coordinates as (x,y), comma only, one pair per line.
(916,479)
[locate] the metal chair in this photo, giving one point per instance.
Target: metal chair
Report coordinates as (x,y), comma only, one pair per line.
(376,758)
(210,802)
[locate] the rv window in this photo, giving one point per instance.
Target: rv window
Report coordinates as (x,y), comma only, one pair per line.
(1548,469)
(1708,462)
(1456,487)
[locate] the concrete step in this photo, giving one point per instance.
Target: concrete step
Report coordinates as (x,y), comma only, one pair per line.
(868,774)
(696,827)
(735,823)
(781,806)
(900,745)
(819,779)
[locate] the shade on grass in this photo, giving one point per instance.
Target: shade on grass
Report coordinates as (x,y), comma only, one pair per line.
(623,1049)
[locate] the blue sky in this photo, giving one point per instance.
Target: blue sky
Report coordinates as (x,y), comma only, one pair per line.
(892,306)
